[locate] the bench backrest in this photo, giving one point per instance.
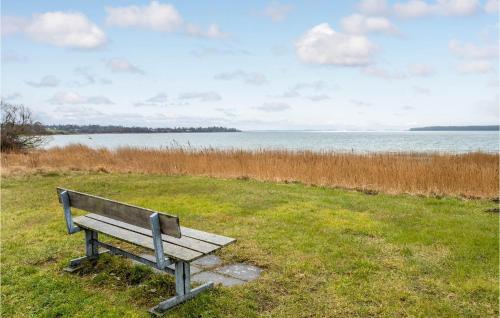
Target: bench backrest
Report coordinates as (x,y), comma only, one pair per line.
(127,213)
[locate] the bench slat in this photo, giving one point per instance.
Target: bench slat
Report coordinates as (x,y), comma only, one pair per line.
(138,216)
(184,241)
(207,237)
(171,250)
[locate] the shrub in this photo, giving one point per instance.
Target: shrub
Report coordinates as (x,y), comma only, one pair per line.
(19,131)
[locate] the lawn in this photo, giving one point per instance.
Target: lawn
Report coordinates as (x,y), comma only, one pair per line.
(325,252)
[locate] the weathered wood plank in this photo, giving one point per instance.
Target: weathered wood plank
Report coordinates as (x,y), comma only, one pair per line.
(171,250)
(138,216)
(184,241)
(207,237)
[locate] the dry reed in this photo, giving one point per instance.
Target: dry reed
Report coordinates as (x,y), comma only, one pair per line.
(466,175)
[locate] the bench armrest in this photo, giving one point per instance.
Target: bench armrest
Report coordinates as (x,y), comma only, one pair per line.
(72,228)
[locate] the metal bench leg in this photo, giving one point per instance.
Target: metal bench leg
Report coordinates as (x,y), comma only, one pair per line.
(91,246)
(91,251)
(182,288)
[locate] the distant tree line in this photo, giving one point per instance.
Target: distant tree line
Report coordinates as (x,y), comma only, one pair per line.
(20,132)
(98,129)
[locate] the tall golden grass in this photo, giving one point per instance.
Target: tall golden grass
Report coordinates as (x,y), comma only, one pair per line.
(466,175)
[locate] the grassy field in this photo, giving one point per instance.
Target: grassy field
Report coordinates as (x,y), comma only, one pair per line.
(471,175)
(325,252)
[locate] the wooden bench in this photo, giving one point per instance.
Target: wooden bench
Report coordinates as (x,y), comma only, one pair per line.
(159,232)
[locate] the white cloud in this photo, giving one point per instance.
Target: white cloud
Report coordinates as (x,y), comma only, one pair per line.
(12,25)
(295,90)
(373,7)
(476,59)
(457,7)
(249,78)
(92,116)
(360,24)
(488,107)
(290,94)
(420,70)
(476,67)
(413,9)
(9,56)
(201,96)
(155,16)
(214,51)
(46,81)
(229,112)
(376,71)
(75,99)
(159,99)
(359,103)
(323,45)
(491,6)
(88,78)
(65,29)
(413,70)
(494,82)
(122,65)
(273,107)
(213,31)
(420,8)
(276,12)
(472,51)
(75,115)
(10,97)
(316,85)
(318,98)
(280,50)
(421,90)
(158,17)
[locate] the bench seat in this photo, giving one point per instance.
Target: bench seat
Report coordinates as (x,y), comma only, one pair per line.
(192,244)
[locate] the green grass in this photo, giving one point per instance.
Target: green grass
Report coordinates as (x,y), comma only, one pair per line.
(325,252)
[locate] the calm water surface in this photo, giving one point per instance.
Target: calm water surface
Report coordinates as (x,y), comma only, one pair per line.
(456,142)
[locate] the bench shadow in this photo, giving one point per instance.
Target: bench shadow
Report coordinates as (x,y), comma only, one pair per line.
(144,286)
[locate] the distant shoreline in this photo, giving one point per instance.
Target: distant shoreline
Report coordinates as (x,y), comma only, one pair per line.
(132,133)
(458,128)
(98,129)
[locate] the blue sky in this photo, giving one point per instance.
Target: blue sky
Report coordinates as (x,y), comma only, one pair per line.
(350,65)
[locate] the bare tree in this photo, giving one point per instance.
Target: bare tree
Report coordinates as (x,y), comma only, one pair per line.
(19,131)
